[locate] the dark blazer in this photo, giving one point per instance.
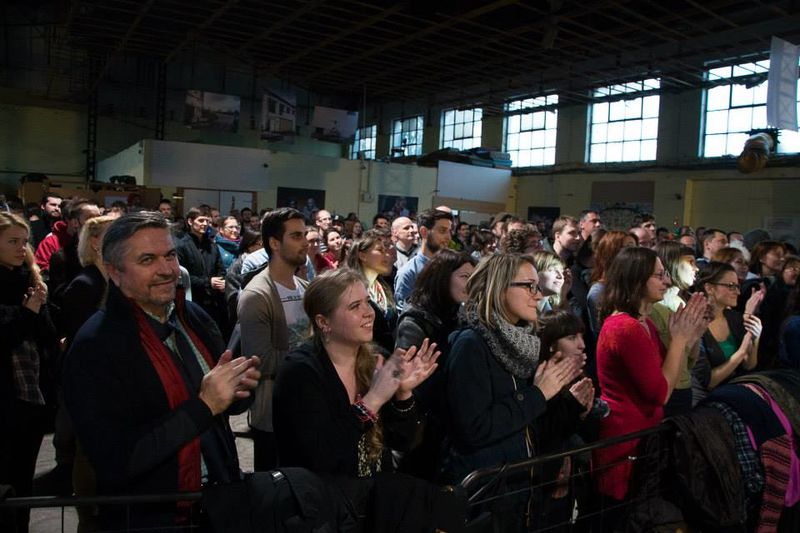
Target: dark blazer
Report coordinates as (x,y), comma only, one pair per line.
(81,299)
(122,417)
(711,355)
(316,426)
(201,258)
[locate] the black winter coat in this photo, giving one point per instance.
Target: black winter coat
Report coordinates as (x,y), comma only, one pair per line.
(122,416)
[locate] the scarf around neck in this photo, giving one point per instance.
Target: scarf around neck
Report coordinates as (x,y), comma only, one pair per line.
(516,348)
(174,386)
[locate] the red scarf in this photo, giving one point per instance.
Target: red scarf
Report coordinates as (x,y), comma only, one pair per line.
(175,388)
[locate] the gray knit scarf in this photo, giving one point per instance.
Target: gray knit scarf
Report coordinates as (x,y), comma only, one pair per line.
(516,348)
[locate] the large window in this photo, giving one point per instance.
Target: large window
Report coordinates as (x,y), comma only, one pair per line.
(737,105)
(364,142)
(624,122)
(461,129)
(531,126)
(407,136)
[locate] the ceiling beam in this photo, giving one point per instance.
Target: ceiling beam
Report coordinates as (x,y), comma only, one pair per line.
(196,32)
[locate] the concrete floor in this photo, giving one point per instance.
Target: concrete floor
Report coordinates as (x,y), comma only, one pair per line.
(66,520)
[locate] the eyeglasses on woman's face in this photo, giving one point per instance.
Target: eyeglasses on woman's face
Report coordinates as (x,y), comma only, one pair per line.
(532,287)
(730,286)
(663,275)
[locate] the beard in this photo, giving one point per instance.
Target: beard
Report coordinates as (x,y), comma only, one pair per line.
(432,245)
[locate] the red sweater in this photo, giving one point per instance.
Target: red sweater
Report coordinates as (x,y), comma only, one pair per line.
(55,241)
(629,369)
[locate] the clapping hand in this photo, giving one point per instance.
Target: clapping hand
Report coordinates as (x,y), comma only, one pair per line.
(35,297)
(754,302)
(416,366)
(583,391)
(230,380)
(752,324)
(552,375)
(691,320)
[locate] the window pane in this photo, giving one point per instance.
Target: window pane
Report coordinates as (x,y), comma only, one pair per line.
(549,156)
(614,152)
(630,151)
(650,106)
(632,130)
(524,158)
(600,112)
(599,133)
(616,131)
(538,120)
(718,97)
(598,153)
(513,124)
(714,145)
(526,121)
(617,110)
(633,108)
(648,150)
(650,128)
(717,122)
(741,96)
(537,158)
(740,119)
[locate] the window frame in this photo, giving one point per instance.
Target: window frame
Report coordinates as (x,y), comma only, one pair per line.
(533,110)
(619,103)
(420,130)
(356,145)
(462,142)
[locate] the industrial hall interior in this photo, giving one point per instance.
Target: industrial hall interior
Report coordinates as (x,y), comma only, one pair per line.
(454,266)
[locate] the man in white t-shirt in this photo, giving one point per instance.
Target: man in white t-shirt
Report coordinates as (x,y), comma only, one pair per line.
(272,319)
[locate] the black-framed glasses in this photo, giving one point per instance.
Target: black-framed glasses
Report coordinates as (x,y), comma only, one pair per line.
(532,287)
(730,286)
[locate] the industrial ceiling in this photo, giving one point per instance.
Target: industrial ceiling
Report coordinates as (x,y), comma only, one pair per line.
(441,52)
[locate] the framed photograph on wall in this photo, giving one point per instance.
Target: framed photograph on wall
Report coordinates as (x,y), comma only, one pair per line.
(307,201)
(398,206)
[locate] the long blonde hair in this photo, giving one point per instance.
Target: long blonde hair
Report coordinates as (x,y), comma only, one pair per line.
(322,297)
(94,227)
(8,220)
(544,260)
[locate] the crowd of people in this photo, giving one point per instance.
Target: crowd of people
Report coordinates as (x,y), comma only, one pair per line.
(422,345)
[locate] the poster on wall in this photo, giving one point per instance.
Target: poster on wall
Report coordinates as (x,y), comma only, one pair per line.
(618,202)
(334,125)
(307,201)
(783,228)
(544,214)
(398,206)
(212,111)
(278,114)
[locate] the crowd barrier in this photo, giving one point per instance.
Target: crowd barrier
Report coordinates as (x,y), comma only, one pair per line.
(583,511)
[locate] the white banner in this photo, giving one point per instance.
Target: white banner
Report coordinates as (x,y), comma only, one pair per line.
(782,88)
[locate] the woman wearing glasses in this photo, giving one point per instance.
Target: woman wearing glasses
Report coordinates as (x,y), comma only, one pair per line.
(637,372)
(495,388)
(730,344)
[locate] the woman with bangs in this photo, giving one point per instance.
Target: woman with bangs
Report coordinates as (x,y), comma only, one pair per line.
(370,257)
(495,389)
(679,263)
(554,281)
(338,407)
(28,334)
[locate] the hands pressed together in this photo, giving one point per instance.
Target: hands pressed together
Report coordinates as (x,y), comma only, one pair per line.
(690,322)
(35,297)
(230,380)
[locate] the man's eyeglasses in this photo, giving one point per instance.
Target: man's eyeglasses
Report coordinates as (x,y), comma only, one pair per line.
(533,288)
(730,286)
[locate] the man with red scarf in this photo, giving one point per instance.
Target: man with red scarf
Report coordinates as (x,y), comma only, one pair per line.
(146,387)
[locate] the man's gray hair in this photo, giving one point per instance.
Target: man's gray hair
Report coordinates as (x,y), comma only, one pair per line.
(123,229)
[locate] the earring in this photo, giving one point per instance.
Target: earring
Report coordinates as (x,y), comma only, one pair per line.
(326,335)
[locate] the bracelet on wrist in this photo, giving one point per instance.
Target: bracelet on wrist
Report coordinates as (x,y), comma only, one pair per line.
(364,412)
